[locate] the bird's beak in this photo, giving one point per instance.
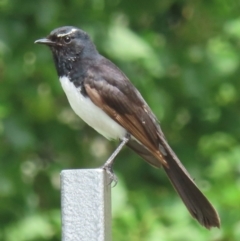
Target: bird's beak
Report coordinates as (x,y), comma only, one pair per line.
(44,41)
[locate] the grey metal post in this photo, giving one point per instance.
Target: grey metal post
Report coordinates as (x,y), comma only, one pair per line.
(86,205)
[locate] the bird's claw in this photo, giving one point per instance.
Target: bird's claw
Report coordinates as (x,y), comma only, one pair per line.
(113,178)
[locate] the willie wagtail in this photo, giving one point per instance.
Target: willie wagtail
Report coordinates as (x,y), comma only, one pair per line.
(101,94)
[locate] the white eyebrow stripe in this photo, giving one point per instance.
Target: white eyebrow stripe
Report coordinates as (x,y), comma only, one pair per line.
(64,34)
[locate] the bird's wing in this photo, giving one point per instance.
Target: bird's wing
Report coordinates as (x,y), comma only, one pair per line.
(115,95)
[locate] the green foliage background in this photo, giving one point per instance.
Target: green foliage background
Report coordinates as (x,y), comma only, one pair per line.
(183,56)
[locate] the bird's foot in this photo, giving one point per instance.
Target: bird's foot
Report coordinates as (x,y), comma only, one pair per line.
(113,178)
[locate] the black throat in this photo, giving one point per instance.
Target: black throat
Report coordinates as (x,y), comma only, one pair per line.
(75,65)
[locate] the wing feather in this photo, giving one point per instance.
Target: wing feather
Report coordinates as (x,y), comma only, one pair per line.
(128,110)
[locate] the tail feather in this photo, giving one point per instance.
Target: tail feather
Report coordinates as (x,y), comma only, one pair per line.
(197,204)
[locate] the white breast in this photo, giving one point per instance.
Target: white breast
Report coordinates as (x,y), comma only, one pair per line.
(90,113)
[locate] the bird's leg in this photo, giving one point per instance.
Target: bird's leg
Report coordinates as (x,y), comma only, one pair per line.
(108,165)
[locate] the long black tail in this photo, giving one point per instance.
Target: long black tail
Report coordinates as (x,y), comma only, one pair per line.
(197,204)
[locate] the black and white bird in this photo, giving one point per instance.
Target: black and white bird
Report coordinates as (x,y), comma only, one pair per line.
(101,95)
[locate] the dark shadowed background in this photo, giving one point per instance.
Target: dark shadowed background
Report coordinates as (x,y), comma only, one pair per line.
(184,58)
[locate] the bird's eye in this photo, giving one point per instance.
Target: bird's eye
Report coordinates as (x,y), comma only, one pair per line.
(67,39)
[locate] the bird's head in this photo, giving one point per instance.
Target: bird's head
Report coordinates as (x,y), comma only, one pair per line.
(69,45)
(69,42)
